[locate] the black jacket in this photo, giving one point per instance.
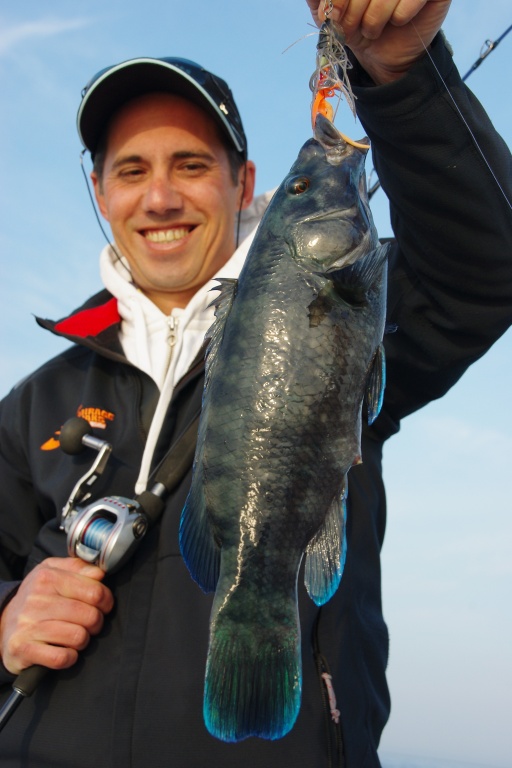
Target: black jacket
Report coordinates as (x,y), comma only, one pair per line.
(135,696)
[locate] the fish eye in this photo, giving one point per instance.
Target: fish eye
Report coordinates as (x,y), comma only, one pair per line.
(298,185)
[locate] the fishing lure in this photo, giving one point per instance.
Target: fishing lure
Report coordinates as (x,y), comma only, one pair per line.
(330,78)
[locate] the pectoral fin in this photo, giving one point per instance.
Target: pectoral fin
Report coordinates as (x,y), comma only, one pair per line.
(352,281)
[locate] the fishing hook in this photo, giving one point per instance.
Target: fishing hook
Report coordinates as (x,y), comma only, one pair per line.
(328,8)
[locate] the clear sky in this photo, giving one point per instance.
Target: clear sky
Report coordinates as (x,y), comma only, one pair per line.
(446,563)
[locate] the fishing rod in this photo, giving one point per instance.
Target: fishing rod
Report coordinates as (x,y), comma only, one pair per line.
(487,48)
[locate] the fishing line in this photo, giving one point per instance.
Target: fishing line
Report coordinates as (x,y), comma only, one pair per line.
(459,112)
(100,223)
(239,215)
(109,240)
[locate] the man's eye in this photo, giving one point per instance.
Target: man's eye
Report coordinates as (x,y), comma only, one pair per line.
(194,167)
(127,173)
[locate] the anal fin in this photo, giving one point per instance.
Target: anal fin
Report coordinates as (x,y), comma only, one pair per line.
(326,552)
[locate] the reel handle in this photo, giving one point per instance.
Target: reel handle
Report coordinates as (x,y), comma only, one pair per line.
(75,435)
(72,435)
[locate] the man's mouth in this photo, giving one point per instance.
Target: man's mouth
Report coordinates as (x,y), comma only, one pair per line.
(167,235)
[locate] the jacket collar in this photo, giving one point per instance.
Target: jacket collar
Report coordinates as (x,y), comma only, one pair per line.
(95,324)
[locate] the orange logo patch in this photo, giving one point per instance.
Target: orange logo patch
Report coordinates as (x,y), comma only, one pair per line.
(97,417)
(52,443)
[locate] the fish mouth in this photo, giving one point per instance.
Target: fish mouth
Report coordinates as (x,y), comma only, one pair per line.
(326,132)
(334,143)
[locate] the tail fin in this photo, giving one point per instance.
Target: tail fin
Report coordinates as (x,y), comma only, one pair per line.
(253,681)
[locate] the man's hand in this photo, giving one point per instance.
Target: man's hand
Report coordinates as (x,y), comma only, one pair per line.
(386,36)
(57,608)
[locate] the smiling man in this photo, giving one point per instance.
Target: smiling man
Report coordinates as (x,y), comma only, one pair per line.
(172,178)
(167,189)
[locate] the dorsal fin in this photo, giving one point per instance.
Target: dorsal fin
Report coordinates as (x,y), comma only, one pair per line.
(222,303)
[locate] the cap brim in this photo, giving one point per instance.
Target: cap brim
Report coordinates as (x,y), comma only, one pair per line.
(135,78)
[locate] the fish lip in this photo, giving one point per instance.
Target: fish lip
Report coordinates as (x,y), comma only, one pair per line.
(335,144)
(326,133)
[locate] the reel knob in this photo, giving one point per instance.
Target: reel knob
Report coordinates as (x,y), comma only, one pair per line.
(72,434)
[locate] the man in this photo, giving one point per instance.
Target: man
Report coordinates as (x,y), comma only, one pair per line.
(171,176)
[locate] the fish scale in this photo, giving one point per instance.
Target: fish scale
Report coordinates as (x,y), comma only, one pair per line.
(296,344)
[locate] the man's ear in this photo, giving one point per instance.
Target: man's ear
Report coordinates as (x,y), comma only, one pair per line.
(98,194)
(249,169)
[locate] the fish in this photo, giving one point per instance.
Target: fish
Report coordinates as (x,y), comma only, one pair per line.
(295,349)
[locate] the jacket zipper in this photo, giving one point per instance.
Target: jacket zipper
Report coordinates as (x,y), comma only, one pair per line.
(172,323)
(172,338)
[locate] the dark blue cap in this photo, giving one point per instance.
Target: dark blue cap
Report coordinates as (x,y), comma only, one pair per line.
(113,87)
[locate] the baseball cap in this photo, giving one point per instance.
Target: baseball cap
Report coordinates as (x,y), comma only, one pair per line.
(113,86)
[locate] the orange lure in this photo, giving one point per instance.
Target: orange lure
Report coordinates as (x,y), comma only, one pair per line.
(326,83)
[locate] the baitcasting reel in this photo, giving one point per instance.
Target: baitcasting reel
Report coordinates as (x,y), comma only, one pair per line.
(104,532)
(107,531)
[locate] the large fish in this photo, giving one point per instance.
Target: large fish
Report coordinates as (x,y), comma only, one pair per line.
(295,348)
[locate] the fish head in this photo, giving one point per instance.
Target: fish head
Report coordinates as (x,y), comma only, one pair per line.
(321,209)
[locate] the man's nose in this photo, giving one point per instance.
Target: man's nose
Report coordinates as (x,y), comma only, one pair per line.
(161,196)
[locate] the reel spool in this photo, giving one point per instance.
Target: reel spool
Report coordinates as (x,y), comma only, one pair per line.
(106,532)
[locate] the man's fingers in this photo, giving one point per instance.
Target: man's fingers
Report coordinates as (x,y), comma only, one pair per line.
(53,643)
(74,565)
(58,606)
(39,611)
(69,578)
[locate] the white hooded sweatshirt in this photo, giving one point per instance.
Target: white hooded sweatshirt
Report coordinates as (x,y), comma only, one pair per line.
(164,346)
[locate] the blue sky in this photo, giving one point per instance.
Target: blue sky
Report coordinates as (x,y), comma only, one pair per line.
(446,564)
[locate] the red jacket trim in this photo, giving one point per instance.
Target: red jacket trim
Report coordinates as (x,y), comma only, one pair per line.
(90,322)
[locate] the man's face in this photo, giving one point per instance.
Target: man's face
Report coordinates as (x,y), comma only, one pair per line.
(169,196)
